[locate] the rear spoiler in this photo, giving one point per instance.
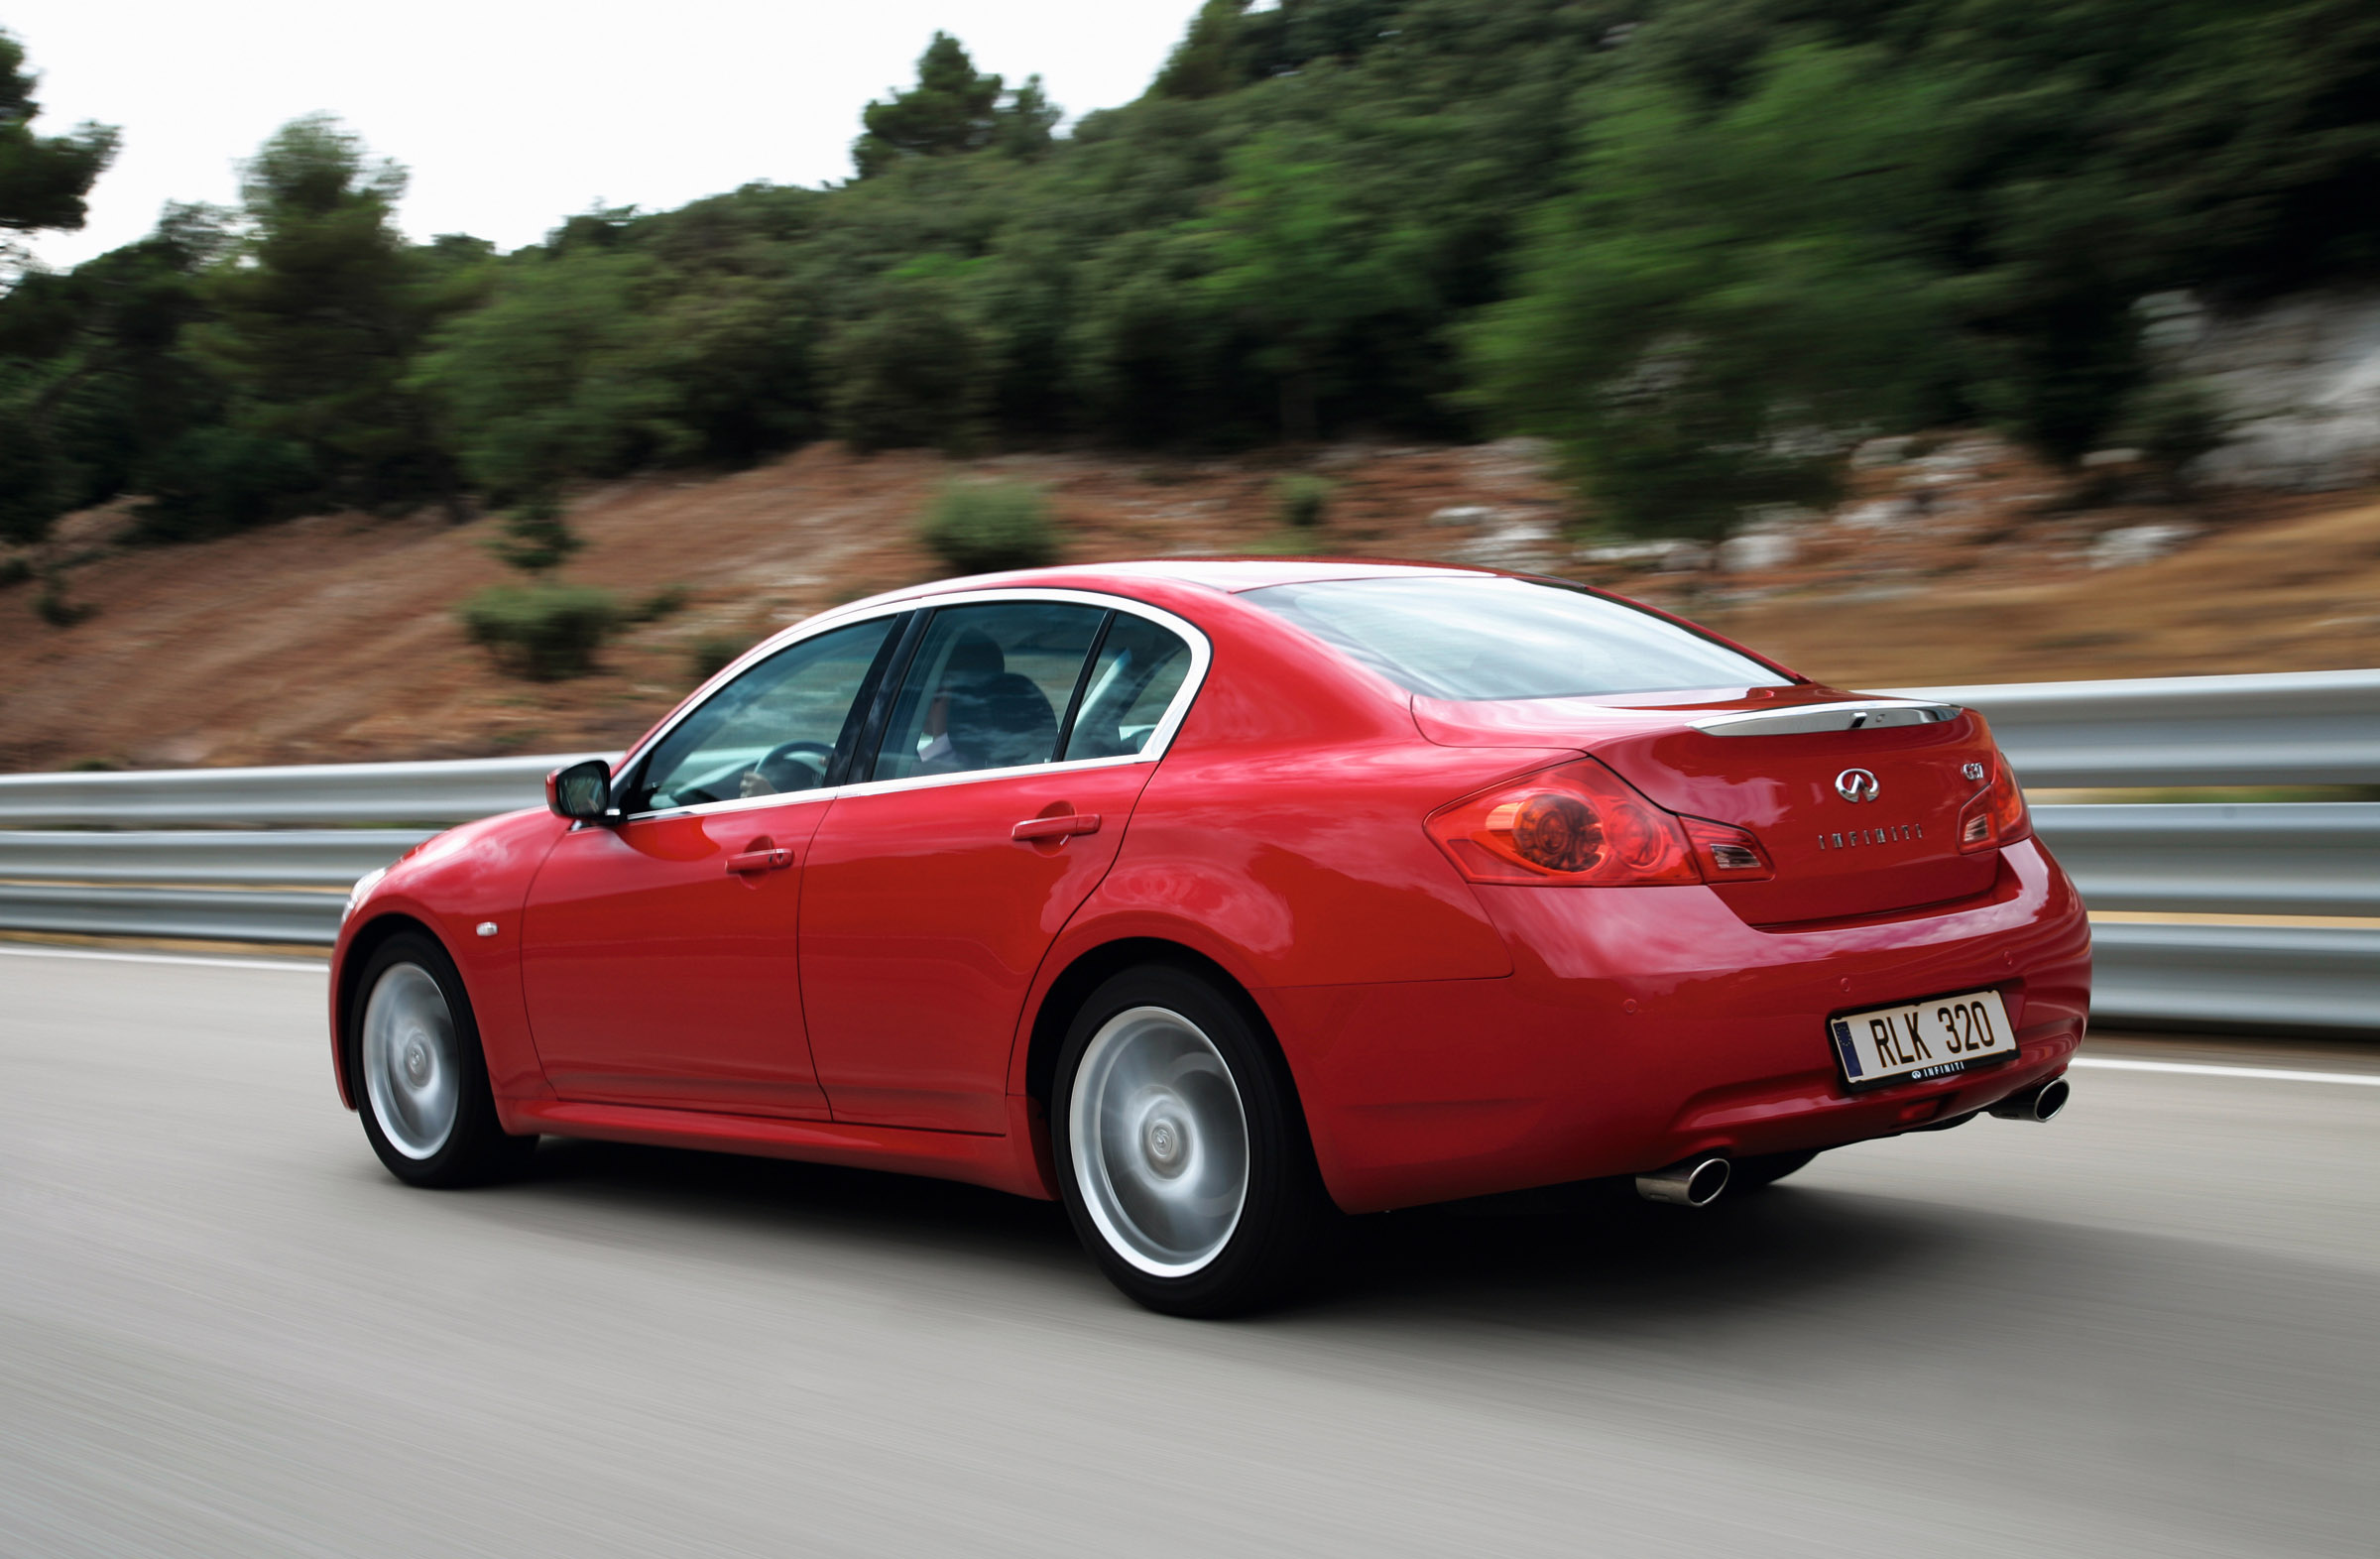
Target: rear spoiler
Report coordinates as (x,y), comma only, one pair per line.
(1862,715)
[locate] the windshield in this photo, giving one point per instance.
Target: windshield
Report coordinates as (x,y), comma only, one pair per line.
(1478,636)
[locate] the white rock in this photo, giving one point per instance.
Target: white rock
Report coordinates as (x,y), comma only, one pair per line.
(2138,543)
(1626,552)
(1877,514)
(1522,541)
(1752,550)
(2297,381)
(1463,514)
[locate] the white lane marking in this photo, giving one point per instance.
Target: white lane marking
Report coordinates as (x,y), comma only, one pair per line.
(20,950)
(2269,1074)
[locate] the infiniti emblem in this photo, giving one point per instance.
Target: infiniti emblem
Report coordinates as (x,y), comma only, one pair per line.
(1857,784)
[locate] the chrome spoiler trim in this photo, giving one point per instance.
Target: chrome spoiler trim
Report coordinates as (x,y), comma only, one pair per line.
(1867,714)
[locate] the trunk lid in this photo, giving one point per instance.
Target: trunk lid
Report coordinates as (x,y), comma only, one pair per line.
(1786,763)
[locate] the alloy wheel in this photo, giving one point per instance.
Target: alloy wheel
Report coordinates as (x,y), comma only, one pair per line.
(413,1067)
(1159,1141)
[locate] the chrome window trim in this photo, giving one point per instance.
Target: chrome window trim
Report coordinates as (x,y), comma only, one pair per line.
(1161,738)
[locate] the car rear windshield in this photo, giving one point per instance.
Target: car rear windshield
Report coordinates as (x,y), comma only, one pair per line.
(1484,637)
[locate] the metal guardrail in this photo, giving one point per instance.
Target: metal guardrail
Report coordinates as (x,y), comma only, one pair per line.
(242,854)
(2314,858)
(443,794)
(217,858)
(207,914)
(2289,728)
(2257,977)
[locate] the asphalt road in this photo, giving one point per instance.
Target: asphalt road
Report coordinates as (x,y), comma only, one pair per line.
(2148,1328)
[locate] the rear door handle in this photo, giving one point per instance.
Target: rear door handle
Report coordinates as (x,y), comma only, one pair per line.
(1062,826)
(775,860)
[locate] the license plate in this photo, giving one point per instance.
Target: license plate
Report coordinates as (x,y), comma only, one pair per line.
(1913,1040)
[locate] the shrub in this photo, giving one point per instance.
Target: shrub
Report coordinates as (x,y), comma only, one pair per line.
(535,539)
(668,601)
(210,481)
(543,632)
(978,527)
(1300,502)
(2172,423)
(53,607)
(14,571)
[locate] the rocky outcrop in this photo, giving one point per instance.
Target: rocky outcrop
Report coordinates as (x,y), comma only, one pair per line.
(2296,382)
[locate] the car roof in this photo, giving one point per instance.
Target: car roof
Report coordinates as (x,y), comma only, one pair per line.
(1230,575)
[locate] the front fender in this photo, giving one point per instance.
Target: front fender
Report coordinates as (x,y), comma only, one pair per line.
(476,875)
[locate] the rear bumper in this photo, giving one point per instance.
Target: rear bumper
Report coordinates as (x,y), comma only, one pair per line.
(1642,1025)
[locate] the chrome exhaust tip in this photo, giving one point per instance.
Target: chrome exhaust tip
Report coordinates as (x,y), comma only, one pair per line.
(2036,1104)
(1689,1182)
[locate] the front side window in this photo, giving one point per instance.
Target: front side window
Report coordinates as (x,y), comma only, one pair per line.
(771,731)
(987,688)
(1482,636)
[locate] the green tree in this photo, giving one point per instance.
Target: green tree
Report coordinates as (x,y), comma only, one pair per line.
(914,368)
(1726,300)
(102,384)
(1211,59)
(315,327)
(952,111)
(43,179)
(1305,268)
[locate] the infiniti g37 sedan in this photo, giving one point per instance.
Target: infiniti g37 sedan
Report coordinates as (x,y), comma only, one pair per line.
(1217,899)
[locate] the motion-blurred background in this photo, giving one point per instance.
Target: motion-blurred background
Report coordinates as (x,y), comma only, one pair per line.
(1913,341)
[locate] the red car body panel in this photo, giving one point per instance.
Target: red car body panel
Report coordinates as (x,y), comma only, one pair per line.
(923,923)
(450,885)
(637,937)
(877,1001)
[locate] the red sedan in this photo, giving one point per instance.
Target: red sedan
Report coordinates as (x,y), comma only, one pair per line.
(1211,898)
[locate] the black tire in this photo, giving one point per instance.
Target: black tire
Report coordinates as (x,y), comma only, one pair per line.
(475,1149)
(1758,1173)
(1284,1218)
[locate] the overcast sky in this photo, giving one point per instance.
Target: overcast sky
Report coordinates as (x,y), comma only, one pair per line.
(513,114)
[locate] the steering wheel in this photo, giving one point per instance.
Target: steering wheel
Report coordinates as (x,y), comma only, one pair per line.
(791,765)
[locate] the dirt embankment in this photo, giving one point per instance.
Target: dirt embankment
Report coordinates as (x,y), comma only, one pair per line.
(334,639)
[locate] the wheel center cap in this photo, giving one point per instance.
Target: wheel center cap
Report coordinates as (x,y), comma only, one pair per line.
(1165,1143)
(417,1061)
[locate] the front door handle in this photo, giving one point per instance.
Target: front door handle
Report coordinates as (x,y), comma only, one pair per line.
(1063,826)
(771,860)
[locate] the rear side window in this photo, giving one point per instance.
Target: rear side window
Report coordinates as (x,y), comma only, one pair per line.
(1484,636)
(987,688)
(1132,681)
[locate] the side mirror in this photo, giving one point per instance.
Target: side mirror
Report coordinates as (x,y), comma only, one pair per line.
(581,793)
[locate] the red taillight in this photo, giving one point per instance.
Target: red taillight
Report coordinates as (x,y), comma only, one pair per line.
(1997,814)
(1581,826)
(1725,853)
